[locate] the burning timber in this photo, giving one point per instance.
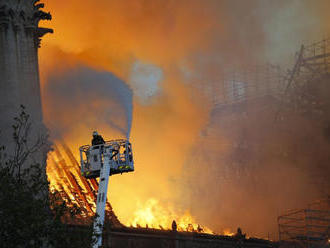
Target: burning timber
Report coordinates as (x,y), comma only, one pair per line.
(64,175)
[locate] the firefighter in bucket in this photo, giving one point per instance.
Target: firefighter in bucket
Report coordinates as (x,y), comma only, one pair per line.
(92,156)
(101,160)
(97,139)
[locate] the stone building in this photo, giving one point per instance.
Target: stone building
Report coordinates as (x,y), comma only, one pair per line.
(132,238)
(20,37)
(128,237)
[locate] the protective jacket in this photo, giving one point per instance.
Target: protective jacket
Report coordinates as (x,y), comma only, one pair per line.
(97,140)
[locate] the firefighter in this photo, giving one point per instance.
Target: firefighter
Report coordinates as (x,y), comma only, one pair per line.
(174,226)
(97,139)
(239,234)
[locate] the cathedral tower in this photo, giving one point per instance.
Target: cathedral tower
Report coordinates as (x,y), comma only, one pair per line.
(20,37)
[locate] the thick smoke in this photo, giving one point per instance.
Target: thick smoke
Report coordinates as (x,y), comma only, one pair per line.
(191,41)
(88,99)
(247,170)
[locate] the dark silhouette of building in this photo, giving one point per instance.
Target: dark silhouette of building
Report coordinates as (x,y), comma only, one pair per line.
(20,37)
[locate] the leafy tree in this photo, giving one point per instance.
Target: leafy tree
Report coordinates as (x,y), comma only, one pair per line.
(30,215)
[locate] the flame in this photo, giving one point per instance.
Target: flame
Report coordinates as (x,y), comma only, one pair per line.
(64,176)
(153,215)
(228,232)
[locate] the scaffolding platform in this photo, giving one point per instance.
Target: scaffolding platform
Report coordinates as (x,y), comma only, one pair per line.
(306,228)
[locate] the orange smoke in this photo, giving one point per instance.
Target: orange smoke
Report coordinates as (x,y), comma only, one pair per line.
(189,41)
(113,38)
(113,34)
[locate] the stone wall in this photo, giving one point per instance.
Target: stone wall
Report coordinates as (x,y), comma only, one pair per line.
(19,73)
(144,238)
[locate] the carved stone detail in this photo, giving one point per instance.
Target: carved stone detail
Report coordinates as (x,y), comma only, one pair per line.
(25,15)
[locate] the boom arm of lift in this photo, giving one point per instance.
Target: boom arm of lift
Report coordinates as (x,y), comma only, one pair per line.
(102,196)
(113,157)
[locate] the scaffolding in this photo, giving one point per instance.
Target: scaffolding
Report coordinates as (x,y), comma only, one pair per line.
(312,65)
(244,83)
(306,228)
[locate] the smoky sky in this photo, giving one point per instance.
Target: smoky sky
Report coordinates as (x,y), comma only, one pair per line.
(83,96)
(191,41)
(247,170)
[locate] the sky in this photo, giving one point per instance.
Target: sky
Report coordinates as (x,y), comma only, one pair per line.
(140,66)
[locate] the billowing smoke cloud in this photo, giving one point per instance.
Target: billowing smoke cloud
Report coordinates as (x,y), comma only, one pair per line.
(190,42)
(83,97)
(248,170)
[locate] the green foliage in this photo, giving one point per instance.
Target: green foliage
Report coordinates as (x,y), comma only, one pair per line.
(30,215)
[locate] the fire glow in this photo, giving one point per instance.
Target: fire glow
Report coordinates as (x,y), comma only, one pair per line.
(135,36)
(64,176)
(152,214)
